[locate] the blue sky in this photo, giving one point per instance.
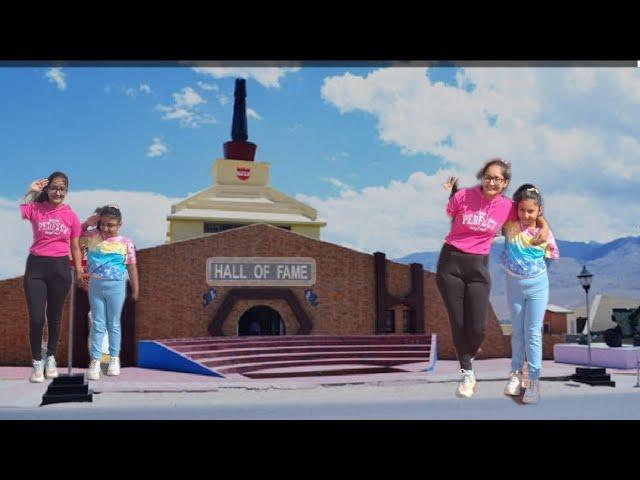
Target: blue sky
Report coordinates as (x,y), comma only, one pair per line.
(95,122)
(368,147)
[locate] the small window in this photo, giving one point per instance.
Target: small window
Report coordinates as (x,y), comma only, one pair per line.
(390,324)
(407,323)
(219,227)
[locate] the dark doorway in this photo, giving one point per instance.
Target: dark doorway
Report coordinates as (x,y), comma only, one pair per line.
(408,321)
(261,320)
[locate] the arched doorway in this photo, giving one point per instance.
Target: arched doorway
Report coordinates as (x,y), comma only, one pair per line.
(261,320)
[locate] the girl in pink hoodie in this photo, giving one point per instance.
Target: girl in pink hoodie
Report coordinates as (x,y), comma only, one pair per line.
(47,278)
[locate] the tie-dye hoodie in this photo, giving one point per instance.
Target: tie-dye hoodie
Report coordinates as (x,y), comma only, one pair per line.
(107,258)
(522,259)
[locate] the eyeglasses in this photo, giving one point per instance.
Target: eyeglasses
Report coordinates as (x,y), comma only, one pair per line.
(57,189)
(496,180)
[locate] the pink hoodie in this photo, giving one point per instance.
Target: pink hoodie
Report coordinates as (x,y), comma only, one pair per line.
(53,227)
(476,220)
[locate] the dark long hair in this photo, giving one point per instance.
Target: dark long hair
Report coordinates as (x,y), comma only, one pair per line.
(43,196)
(110,211)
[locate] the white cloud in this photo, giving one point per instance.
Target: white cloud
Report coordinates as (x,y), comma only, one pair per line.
(580,80)
(57,76)
(133,92)
(185,108)
(208,86)
(336,182)
(400,218)
(568,130)
(577,217)
(251,113)
(144,221)
(157,148)
(267,76)
(338,157)
(187,97)
(223,99)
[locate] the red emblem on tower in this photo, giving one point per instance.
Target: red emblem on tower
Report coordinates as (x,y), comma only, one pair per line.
(243,173)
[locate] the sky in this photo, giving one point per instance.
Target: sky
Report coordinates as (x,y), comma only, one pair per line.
(367,146)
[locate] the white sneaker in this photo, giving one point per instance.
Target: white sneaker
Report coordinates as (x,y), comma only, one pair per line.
(532,393)
(514,385)
(94,370)
(50,370)
(37,376)
(114,366)
(467,384)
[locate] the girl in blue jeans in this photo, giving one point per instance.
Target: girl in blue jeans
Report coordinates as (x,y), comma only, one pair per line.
(110,256)
(527,289)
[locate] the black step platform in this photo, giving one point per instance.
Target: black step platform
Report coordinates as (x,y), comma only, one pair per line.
(68,388)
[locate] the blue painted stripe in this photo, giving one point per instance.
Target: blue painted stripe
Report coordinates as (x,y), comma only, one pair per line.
(433,353)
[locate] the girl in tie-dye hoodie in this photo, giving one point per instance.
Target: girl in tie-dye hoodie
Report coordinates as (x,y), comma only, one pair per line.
(111,257)
(527,289)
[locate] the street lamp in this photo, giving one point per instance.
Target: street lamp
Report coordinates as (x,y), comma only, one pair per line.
(590,375)
(585,277)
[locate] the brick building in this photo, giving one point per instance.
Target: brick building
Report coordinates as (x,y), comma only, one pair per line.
(350,298)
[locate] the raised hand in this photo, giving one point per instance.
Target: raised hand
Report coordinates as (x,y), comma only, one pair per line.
(449,184)
(37,185)
(92,221)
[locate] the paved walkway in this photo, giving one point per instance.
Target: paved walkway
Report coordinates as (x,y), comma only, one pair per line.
(146,380)
(151,394)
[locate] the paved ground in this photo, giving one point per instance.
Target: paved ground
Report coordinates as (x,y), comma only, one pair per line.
(151,394)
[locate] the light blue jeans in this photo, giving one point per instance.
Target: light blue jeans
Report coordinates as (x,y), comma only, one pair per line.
(527,299)
(106,298)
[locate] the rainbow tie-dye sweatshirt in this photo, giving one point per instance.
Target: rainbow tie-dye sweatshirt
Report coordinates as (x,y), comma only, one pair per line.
(107,258)
(520,257)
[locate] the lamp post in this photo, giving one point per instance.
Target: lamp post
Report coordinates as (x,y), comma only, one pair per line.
(585,278)
(590,375)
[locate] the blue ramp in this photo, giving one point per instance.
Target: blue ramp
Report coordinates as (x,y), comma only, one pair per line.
(157,356)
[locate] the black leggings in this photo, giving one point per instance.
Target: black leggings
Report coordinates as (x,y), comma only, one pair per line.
(46,281)
(464,282)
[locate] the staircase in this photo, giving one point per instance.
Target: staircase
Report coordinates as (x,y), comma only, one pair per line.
(290,356)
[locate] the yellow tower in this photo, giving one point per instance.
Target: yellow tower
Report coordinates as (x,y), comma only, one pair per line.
(240,193)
